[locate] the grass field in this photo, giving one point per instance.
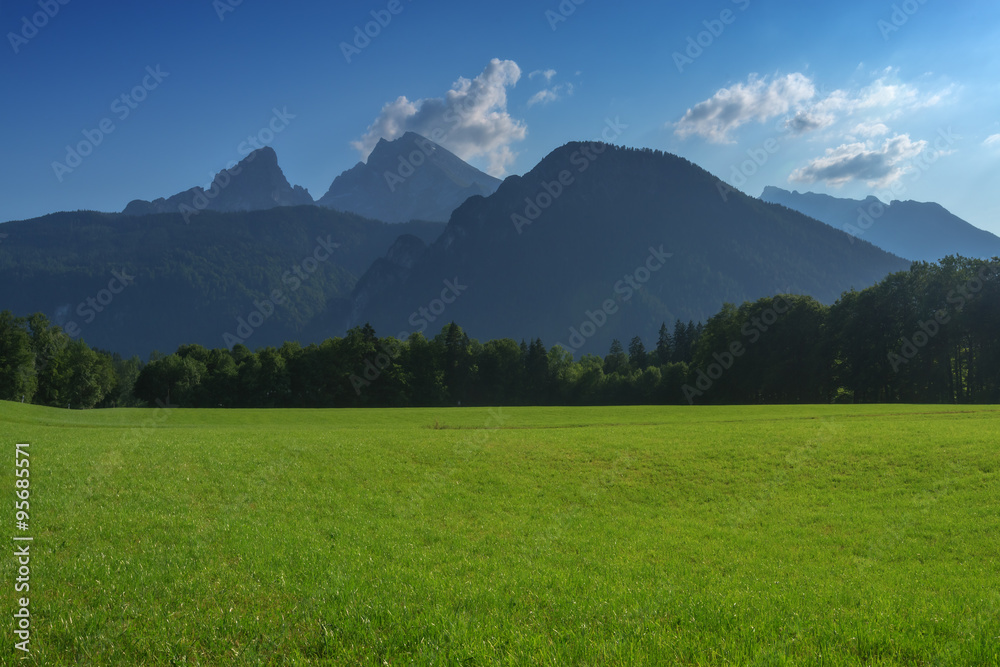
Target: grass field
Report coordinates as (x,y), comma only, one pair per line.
(806,535)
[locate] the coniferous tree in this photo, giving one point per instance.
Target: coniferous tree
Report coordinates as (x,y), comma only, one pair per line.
(923,335)
(536,370)
(616,361)
(17,361)
(457,363)
(663,345)
(637,358)
(680,343)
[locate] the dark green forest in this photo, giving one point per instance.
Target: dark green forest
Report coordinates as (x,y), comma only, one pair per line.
(189,283)
(926,335)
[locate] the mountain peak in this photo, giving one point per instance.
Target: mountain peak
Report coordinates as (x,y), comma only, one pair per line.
(265,154)
(641,233)
(407,178)
(387,150)
(254,184)
(772,191)
(924,231)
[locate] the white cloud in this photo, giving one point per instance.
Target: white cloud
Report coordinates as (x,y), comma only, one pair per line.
(870,130)
(548,74)
(878,166)
(550,94)
(808,120)
(794,96)
(471,120)
(992,141)
(882,94)
(500,160)
(542,97)
(739,104)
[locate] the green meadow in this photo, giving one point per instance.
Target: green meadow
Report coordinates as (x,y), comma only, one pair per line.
(782,535)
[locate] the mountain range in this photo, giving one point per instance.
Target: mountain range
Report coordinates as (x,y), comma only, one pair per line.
(915,230)
(134,284)
(596,242)
(256,183)
(624,239)
(409,178)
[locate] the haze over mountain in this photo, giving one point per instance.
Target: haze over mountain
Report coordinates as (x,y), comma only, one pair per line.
(255,184)
(596,242)
(915,230)
(133,284)
(409,178)
(588,230)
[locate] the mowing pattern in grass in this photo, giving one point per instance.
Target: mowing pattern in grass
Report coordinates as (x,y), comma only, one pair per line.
(807,535)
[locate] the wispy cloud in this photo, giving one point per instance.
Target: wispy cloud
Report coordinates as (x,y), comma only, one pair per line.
(795,97)
(471,120)
(542,97)
(547,74)
(992,141)
(550,94)
(869,130)
(757,100)
(808,120)
(877,165)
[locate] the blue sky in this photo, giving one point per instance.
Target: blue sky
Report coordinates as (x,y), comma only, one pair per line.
(896,99)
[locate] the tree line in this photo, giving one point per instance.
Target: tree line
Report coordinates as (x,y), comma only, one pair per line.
(40,363)
(924,335)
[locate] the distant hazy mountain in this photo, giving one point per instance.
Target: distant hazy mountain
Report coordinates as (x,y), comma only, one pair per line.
(594,243)
(134,284)
(580,242)
(255,184)
(410,178)
(915,230)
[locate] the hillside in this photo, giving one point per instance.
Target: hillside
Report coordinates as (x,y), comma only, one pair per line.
(409,178)
(581,233)
(157,283)
(915,230)
(255,184)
